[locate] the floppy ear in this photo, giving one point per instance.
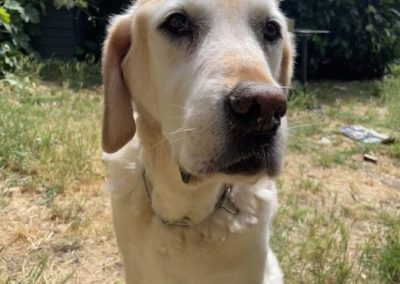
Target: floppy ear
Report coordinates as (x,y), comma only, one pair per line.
(118,122)
(287,63)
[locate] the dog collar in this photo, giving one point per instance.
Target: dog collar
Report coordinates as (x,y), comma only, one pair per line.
(224,203)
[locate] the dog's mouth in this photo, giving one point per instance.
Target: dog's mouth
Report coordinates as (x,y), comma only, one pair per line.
(246,165)
(188,178)
(243,157)
(185,176)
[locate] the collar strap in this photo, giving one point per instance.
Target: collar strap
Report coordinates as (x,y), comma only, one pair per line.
(224,203)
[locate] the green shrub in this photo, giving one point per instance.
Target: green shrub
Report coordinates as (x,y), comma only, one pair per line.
(97,20)
(364,38)
(17,20)
(18,23)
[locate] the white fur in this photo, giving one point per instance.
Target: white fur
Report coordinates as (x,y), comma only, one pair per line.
(175,97)
(219,249)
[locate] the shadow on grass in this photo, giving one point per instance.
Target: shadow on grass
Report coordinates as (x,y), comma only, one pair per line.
(73,74)
(329,91)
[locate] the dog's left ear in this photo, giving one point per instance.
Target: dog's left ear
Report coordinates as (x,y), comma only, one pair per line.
(118,122)
(287,63)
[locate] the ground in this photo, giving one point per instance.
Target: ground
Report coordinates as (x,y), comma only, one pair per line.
(339,216)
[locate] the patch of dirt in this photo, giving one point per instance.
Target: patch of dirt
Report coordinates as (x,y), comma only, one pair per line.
(362,190)
(72,238)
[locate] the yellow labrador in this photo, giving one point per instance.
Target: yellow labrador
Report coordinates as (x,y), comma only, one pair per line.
(201,82)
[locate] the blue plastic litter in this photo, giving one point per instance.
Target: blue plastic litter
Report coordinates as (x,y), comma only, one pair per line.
(364,135)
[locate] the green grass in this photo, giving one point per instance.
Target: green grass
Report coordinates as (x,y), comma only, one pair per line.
(36,274)
(49,133)
(325,231)
(391,98)
(73,74)
(313,230)
(311,237)
(373,104)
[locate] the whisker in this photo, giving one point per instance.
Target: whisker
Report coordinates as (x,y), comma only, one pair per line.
(181,107)
(304,125)
(182,130)
(158,144)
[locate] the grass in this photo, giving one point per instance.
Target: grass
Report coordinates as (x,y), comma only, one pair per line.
(41,127)
(338,220)
(51,175)
(334,227)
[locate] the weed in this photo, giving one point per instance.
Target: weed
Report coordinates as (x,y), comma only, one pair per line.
(36,272)
(389,262)
(302,100)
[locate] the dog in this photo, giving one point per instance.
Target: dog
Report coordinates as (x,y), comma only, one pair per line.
(194,133)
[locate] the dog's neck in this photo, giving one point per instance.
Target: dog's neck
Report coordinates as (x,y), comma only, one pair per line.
(171,198)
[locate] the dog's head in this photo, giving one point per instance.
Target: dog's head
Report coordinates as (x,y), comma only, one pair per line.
(209,76)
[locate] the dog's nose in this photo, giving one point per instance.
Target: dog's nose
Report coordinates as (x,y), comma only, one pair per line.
(257,107)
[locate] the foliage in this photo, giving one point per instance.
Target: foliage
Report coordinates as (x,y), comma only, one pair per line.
(98,13)
(17,20)
(69,4)
(18,23)
(364,38)
(4,16)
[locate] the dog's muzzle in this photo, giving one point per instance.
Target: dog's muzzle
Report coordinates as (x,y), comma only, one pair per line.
(253,115)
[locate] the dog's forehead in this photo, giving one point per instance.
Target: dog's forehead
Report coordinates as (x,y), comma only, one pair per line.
(221,9)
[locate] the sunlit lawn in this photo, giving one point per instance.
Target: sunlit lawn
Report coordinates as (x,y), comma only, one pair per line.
(338,221)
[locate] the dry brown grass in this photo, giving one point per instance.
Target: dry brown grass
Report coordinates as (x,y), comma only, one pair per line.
(73,237)
(337,211)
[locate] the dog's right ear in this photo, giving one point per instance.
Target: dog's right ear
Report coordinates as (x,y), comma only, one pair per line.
(118,122)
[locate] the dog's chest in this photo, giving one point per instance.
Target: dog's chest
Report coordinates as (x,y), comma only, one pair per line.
(186,258)
(213,254)
(168,254)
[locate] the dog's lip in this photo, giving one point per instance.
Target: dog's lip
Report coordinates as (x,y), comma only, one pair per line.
(250,164)
(189,178)
(185,176)
(245,165)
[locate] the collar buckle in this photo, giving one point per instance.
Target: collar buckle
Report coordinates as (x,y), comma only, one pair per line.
(226,203)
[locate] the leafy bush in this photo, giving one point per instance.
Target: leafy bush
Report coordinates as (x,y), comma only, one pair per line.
(69,4)
(18,23)
(364,38)
(98,13)
(17,20)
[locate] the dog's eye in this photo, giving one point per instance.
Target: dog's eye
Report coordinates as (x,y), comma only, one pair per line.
(177,24)
(271,31)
